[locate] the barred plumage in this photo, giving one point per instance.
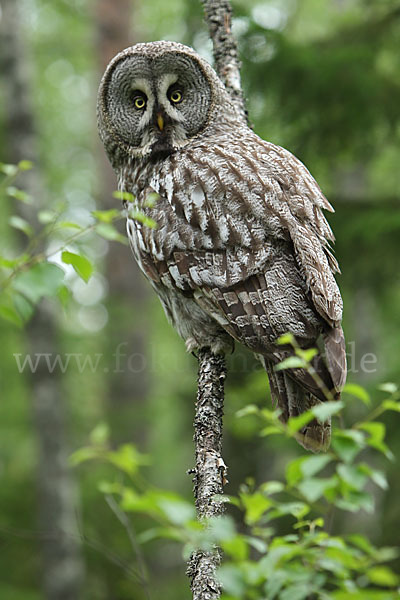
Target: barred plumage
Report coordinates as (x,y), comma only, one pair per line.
(241,248)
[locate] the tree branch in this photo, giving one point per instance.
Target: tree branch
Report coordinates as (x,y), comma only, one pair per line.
(210,471)
(218,15)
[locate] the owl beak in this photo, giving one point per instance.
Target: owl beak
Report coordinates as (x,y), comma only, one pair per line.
(160,121)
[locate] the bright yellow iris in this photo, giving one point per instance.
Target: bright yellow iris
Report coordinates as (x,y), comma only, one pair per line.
(176,96)
(139,102)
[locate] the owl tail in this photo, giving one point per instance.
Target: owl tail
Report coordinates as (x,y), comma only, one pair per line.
(335,356)
(292,400)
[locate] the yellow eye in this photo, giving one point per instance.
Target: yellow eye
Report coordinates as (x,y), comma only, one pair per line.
(176,96)
(139,102)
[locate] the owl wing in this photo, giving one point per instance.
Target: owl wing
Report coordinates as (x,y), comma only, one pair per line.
(242,229)
(267,186)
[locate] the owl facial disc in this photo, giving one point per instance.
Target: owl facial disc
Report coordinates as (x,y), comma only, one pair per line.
(154,99)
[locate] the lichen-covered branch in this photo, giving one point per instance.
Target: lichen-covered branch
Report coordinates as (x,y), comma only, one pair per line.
(210,471)
(218,15)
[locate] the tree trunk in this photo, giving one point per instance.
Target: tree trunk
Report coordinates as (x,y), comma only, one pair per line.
(61,558)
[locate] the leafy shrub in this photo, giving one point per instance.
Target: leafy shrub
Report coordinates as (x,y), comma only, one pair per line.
(307,561)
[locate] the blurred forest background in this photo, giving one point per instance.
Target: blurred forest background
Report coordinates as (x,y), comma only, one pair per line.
(321,78)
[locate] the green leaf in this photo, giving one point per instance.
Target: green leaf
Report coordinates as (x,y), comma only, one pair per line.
(378,477)
(10,263)
(270,430)
(257,543)
(296,509)
(387,553)
(255,505)
(319,522)
(69,225)
(279,553)
(310,465)
(297,591)
(270,415)
(10,314)
(124,196)
(348,443)
(100,434)
(64,295)
(293,362)
(19,223)
(325,410)
(135,502)
(391,405)
(237,548)
(46,216)
(221,528)
(361,542)
(43,279)
(286,339)
(9,170)
(307,355)
(356,500)
(106,216)
(275,582)
(353,475)
(128,459)
(362,595)
(108,487)
(294,472)
(294,424)
(81,264)
(177,510)
(377,431)
(358,392)
(345,558)
(389,387)
(84,454)
(107,231)
(170,533)
(382,576)
(19,195)
(227,499)
(272,487)
(142,218)
(250,409)
(313,488)
(25,165)
(23,306)
(232,580)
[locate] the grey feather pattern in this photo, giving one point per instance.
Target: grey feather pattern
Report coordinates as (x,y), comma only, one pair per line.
(242,247)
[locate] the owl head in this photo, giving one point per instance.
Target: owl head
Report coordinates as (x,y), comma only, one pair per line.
(156,97)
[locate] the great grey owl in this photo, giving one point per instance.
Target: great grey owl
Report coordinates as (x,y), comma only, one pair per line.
(240,250)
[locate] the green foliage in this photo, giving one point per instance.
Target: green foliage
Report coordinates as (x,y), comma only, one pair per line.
(304,561)
(81,264)
(29,272)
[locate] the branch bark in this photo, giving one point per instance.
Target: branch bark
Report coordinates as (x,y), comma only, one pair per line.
(218,16)
(210,471)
